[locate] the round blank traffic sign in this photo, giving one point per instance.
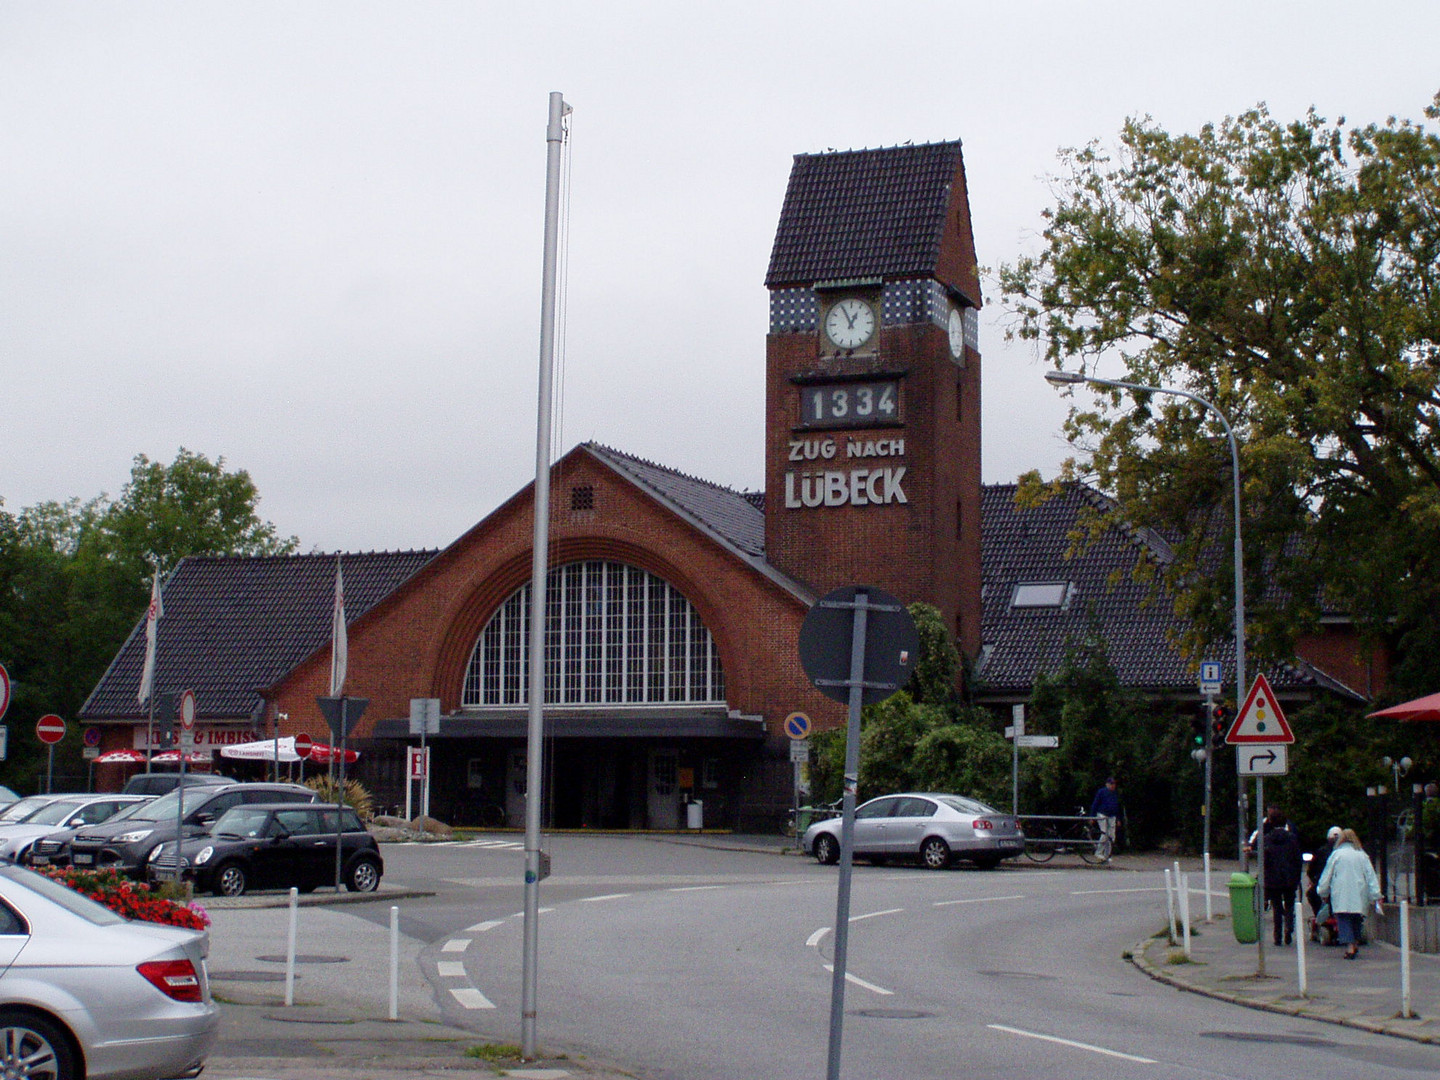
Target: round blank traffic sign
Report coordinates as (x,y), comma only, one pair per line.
(50,728)
(303,743)
(891,645)
(187,710)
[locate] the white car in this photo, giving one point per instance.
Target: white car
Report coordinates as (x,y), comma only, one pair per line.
(69,812)
(86,993)
(934,828)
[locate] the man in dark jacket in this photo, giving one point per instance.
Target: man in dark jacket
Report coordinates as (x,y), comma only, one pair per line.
(1282,872)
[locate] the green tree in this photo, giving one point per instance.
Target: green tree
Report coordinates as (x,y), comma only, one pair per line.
(1286,272)
(75,577)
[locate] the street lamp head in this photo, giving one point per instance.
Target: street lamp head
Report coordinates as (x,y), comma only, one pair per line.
(1064,378)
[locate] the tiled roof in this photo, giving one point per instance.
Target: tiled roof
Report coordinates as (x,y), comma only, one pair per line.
(1033,546)
(864,214)
(233,624)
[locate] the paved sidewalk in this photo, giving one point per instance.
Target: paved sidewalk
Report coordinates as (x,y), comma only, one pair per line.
(1362,993)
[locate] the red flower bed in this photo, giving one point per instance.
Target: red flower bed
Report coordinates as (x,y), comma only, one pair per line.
(130,899)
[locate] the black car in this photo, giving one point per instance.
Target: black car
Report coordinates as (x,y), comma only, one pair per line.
(126,842)
(275,847)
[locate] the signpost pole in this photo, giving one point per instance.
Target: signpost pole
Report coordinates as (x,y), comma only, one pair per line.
(1210,749)
(847,833)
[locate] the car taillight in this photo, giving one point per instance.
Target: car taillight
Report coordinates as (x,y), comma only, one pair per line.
(173,978)
(984,823)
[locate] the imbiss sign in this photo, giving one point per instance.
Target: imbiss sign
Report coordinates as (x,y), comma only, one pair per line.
(825,484)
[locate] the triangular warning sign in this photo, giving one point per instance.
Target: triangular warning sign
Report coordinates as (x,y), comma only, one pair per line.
(1260,719)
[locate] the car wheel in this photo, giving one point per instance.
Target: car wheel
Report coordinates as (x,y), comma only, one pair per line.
(230,880)
(364,876)
(827,850)
(935,854)
(31,1046)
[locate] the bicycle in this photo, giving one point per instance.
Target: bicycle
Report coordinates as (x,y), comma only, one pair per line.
(1071,834)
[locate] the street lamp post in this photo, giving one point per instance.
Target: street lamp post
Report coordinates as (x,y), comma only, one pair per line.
(1071,378)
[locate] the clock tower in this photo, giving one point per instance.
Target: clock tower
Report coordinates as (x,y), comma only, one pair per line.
(872,385)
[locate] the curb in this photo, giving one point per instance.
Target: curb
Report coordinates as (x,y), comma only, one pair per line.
(1142,962)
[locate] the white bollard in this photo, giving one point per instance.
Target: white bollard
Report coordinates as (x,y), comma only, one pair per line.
(1169,909)
(290,949)
(1185,912)
(1300,935)
(1209,913)
(1405,1011)
(394,963)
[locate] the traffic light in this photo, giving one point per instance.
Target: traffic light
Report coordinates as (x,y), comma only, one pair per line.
(1219,725)
(1199,724)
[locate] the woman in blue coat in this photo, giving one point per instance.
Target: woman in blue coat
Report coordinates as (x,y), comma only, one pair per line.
(1351,887)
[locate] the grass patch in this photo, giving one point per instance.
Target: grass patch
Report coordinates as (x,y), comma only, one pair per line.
(495,1053)
(1177,956)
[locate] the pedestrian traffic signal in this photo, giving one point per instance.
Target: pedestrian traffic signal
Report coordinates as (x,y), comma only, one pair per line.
(1219,725)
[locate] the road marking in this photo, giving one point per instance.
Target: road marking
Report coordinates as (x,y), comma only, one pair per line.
(861,982)
(471,998)
(976,900)
(543,911)
(459,944)
(607,896)
(1072,1042)
(817,937)
(481,927)
(1111,892)
(450,969)
(694,888)
(876,914)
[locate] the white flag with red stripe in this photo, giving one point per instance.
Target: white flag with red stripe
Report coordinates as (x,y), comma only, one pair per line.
(339,646)
(152,628)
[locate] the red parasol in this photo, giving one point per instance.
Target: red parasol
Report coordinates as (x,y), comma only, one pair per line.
(112,756)
(1425,708)
(322,754)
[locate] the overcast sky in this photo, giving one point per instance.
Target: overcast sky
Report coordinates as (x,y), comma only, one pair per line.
(307,237)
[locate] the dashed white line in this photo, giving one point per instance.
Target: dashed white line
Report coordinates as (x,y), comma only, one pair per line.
(976,900)
(450,969)
(471,998)
(694,888)
(1110,892)
(607,896)
(861,982)
(1072,1042)
(481,927)
(459,944)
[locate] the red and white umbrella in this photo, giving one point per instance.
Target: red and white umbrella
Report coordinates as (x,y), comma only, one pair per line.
(111,757)
(172,757)
(323,753)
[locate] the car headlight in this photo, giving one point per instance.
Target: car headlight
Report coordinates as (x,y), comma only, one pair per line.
(203,856)
(133,837)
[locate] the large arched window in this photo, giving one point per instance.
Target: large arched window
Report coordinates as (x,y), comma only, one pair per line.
(615,635)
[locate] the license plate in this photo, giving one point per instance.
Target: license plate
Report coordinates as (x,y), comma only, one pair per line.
(39,860)
(82,860)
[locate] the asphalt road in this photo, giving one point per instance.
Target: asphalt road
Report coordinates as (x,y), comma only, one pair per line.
(689,963)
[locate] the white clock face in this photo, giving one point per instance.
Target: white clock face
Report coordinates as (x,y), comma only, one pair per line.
(957,334)
(850,323)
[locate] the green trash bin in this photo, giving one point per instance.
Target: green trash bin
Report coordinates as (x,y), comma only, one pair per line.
(1242,908)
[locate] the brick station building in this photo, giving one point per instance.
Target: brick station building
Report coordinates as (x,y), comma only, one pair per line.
(675,604)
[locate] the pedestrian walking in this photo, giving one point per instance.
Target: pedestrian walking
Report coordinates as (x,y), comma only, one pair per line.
(1105,809)
(1282,873)
(1350,886)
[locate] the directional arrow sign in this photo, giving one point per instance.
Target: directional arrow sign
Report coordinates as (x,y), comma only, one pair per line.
(1047,741)
(1258,760)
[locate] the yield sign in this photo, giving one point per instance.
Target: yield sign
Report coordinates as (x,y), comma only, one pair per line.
(1260,719)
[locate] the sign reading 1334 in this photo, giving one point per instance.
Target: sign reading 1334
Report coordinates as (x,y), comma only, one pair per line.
(851,404)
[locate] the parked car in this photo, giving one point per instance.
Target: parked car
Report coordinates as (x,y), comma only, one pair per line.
(87,993)
(275,847)
(936,829)
(162,783)
(7,796)
(70,812)
(21,809)
(126,843)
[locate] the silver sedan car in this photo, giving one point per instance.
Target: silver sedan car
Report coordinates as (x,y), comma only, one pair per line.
(86,993)
(934,828)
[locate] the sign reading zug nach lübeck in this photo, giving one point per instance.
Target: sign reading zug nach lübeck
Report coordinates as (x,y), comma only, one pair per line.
(844,487)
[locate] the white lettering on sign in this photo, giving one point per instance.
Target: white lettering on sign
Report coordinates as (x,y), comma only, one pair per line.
(863,448)
(858,487)
(204,736)
(812,449)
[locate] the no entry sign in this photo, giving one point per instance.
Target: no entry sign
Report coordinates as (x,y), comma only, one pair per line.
(303,743)
(4,691)
(50,728)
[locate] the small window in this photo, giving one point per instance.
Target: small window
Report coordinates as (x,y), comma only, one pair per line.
(582,497)
(1044,594)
